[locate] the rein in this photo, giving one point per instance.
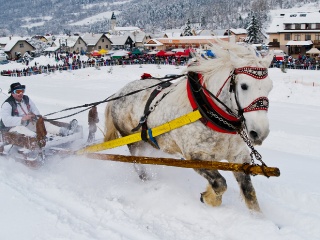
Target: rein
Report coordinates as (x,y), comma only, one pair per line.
(109,99)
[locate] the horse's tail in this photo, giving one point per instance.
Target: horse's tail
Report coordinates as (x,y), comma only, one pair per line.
(110,130)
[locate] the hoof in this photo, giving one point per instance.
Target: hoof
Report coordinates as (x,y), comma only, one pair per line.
(209,197)
(144,177)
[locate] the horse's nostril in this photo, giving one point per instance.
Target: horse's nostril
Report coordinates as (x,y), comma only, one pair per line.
(253,134)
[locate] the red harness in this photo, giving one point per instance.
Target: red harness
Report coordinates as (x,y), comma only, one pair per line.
(214,116)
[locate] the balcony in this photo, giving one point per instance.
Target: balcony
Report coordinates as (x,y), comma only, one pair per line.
(274,44)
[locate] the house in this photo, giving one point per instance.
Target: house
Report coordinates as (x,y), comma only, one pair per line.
(97,42)
(5,40)
(40,38)
(17,47)
(121,42)
(295,32)
(66,43)
(139,38)
(184,42)
(170,33)
(239,33)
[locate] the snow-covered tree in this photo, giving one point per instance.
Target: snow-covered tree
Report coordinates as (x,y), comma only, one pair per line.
(254,30)
(187,30)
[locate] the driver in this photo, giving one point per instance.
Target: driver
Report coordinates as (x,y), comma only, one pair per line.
(19,112)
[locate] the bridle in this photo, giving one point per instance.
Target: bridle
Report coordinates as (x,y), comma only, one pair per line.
(202,99)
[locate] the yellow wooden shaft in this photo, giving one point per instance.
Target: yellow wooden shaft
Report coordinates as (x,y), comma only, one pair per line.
(136,137)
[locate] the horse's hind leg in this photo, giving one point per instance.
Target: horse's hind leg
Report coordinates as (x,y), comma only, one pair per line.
(215,189)
(247,190)
(139,168)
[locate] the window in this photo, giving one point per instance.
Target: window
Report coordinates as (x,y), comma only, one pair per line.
(99,47)
(287,26)
(293,15)
(308,37)
(297,26)
(317,25)
(317,37)
(107,46)
(102,39)
(303,15)
(21,45)
(275,40)
(297,37)
(79,41)
(287,36)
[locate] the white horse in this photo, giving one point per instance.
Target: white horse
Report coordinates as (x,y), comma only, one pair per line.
(231,93)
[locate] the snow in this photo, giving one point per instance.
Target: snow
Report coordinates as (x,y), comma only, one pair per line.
(96,18)
(77,198)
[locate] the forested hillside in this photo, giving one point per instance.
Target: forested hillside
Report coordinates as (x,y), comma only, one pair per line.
(26,17)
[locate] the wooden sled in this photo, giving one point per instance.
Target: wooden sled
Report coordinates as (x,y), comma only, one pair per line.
(33,150)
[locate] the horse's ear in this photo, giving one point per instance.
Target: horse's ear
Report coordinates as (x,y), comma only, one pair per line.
(266,60)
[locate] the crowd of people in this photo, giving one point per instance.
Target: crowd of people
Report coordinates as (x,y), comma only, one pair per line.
(301,62)
(74,62)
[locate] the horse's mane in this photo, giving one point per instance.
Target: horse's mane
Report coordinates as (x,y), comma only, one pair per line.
(228,56)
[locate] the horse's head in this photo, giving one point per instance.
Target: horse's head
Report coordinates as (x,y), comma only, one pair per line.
(251,88)
(239,73)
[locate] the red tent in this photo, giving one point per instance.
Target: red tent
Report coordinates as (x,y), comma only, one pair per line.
(169,53)
(161,53)
(95,54)
(181,54)
(280,58)
(189,50)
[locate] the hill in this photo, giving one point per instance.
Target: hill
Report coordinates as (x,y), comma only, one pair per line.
(30,17)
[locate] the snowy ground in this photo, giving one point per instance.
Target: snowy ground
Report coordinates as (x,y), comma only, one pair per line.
(83,199)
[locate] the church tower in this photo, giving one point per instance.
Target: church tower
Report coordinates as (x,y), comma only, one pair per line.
(113,21)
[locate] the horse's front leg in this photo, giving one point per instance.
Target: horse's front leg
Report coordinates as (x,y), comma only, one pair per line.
(247,190)
(215,189)
(245,184)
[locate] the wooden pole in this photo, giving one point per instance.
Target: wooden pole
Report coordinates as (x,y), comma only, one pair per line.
(225,166)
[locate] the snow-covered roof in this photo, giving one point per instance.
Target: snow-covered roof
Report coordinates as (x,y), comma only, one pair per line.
(70,41)
(5,40)
(219,32)
(118,39)
(137,36)
(173,32)
(91,38)
(154,42)
(205,33)
(13,42)
(238,30)
(281,19)
(184,40)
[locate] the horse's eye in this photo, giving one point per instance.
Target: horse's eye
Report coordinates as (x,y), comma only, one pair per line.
(244,86)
